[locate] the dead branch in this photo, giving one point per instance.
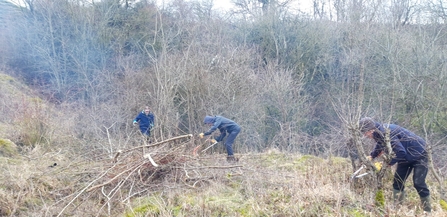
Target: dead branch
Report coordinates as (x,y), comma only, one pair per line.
(116,188)
(435,173)
(209,167)
(148,156)
(83,190)
(115,159)
(431,165)
(111,180)
(159,143)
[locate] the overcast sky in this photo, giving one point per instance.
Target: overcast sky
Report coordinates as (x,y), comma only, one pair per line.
(218,4)
(224,4)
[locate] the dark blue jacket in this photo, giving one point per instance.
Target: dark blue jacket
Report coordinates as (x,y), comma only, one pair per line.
(145,121)
(407,146)
(223,124)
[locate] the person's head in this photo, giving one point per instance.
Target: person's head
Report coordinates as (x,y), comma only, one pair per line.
(367,127)
(147,110)
(209,120)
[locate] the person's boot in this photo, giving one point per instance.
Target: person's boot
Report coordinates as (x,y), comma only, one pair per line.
(231,158)
(426,203)
(398,197)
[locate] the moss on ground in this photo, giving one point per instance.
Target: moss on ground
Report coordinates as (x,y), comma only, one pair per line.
(380,199)
(6,78)
(8,148)
(443,204)
(145,207)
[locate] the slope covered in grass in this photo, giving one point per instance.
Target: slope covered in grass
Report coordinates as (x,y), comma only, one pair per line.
(44,172)
(267,184)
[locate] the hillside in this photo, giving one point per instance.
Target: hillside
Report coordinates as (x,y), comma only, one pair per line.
(43,174)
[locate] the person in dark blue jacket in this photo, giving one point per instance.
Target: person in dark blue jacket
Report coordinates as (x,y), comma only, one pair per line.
(410,155)
(146,120)
(225,126)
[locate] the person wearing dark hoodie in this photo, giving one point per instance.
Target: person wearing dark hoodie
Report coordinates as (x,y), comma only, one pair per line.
(410,155)
(225,126)
(146,121)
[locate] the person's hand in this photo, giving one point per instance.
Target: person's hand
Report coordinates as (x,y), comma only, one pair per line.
(369,158)
(135,123)
(201,135)
(213,141)
(378,165)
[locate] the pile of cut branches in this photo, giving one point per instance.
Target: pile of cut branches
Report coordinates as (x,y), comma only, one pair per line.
(145,169)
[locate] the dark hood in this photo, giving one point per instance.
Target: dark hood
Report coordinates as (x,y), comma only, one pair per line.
(209,119)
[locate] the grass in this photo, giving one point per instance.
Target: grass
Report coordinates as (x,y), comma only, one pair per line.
(260,184)
(267,184)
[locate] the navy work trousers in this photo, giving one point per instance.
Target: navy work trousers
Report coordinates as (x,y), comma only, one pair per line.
(420,170)
(230,140)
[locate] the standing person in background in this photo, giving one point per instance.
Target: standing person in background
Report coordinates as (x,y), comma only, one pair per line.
(410,156)
(146,121)
(225,126)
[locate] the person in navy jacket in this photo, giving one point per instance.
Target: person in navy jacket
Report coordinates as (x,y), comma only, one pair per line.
(410,155)
(146,121)
(225,126)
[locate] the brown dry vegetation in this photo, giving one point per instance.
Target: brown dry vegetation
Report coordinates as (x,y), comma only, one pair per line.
(54,178)
(77,72)
(266,184)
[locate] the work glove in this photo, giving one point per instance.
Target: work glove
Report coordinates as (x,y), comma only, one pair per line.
(378,165)
(213,141)
(201,135)
(135,123)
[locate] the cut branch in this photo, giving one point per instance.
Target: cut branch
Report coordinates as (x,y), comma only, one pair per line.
(159,143)
(111,180)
